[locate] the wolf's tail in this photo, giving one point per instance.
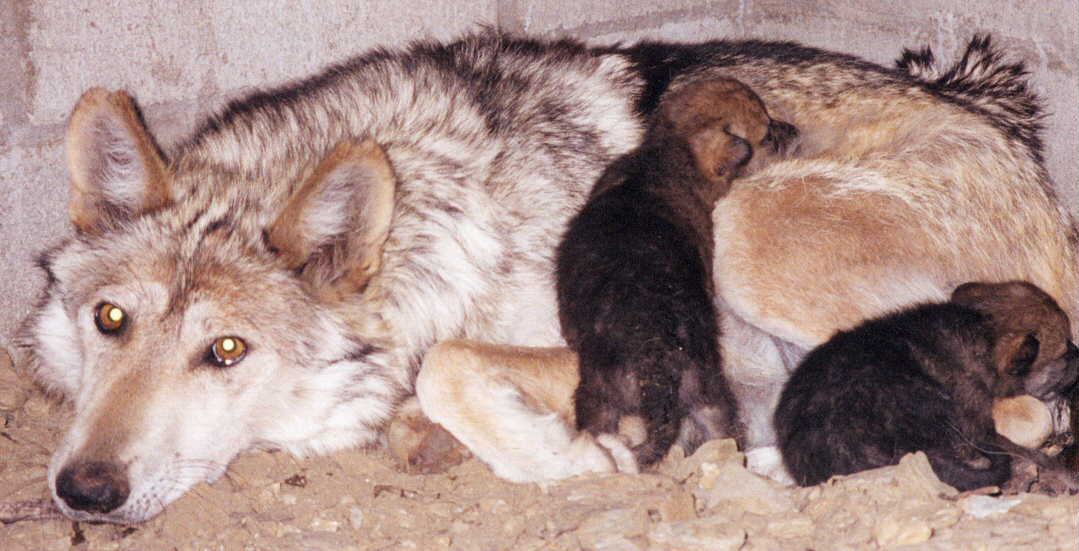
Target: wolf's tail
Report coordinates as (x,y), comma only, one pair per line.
(982,79)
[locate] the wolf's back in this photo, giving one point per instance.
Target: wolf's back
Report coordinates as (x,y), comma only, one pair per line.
(982,79)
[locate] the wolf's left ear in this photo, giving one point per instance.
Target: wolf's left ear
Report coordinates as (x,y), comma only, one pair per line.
(335,224)
(115,167)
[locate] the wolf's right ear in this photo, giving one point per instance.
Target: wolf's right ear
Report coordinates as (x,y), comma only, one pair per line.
(335,224)
(115,167)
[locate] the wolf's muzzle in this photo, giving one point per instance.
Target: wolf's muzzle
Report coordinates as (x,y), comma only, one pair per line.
(94,486)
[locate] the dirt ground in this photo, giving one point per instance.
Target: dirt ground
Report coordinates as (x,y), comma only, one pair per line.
(359,500)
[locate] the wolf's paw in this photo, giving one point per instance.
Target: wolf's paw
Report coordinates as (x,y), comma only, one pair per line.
(421,445)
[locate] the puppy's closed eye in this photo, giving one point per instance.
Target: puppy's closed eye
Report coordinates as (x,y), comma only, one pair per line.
(1024,356)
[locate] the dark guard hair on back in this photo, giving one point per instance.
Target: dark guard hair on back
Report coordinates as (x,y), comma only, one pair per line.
(634,272)
(980,81)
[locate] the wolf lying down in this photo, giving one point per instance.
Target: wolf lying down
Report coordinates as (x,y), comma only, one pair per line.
(276,280)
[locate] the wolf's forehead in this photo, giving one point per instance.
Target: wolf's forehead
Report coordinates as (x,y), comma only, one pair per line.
(211,250)
(201,185)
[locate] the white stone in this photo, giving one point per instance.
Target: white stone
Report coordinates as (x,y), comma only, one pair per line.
(983,506)
(356,518)
(597,531)
(901,530)
(730,482)
(707,534)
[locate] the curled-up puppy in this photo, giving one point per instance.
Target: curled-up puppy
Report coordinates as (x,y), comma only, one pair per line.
(635,272)
(925,379)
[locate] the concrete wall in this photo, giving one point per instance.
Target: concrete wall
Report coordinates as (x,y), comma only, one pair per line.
(182,59)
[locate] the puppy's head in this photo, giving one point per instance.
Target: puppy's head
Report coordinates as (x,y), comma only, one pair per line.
(1031,348)
(727,126)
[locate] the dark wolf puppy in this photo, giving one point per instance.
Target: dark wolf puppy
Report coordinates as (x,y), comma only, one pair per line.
(925,379)
(635,271)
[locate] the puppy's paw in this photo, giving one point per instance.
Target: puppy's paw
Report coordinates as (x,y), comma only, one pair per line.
(1023,419)
(1057,480)
(1054,478)
(421,445)
(617,447)
(767,461)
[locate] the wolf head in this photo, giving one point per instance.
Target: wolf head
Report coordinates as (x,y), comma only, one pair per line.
(192,316)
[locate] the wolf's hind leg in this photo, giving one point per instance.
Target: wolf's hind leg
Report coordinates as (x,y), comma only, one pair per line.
(513,408)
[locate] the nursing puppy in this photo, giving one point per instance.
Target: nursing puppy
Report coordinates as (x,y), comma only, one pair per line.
(925,379)
(634,272)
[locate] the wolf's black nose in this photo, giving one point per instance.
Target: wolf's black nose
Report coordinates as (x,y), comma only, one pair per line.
(93,486)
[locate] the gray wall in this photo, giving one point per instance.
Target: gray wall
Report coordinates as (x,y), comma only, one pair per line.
(182,59)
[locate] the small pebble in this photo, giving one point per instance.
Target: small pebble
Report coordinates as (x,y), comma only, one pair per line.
(983,506)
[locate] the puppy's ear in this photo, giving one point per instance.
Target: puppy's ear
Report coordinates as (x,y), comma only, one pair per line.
(970,294)
(115,167)
(1016,353)
(718,153)
(335,225)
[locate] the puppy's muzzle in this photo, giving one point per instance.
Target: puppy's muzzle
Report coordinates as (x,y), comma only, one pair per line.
(1058,379)
(1071,370)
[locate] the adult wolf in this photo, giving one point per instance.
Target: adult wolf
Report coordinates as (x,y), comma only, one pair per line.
(275,280)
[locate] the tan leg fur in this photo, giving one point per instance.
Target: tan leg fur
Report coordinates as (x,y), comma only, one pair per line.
(513,408)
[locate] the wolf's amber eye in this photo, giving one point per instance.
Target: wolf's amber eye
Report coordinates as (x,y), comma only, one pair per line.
(227,351)
(109,318)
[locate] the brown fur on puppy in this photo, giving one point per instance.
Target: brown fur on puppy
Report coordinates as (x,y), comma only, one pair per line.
(1025,319)
(925,379)
(634,271)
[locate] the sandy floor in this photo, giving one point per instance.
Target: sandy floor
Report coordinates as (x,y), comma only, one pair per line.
(359,500)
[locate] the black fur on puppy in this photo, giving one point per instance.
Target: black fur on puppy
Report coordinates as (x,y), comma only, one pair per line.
(635,278)
(925,379)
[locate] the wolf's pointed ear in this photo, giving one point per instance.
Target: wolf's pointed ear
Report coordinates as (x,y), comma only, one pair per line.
(115,167)
(336,223)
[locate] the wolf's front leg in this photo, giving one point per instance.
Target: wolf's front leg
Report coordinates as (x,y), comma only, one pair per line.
(513,408)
